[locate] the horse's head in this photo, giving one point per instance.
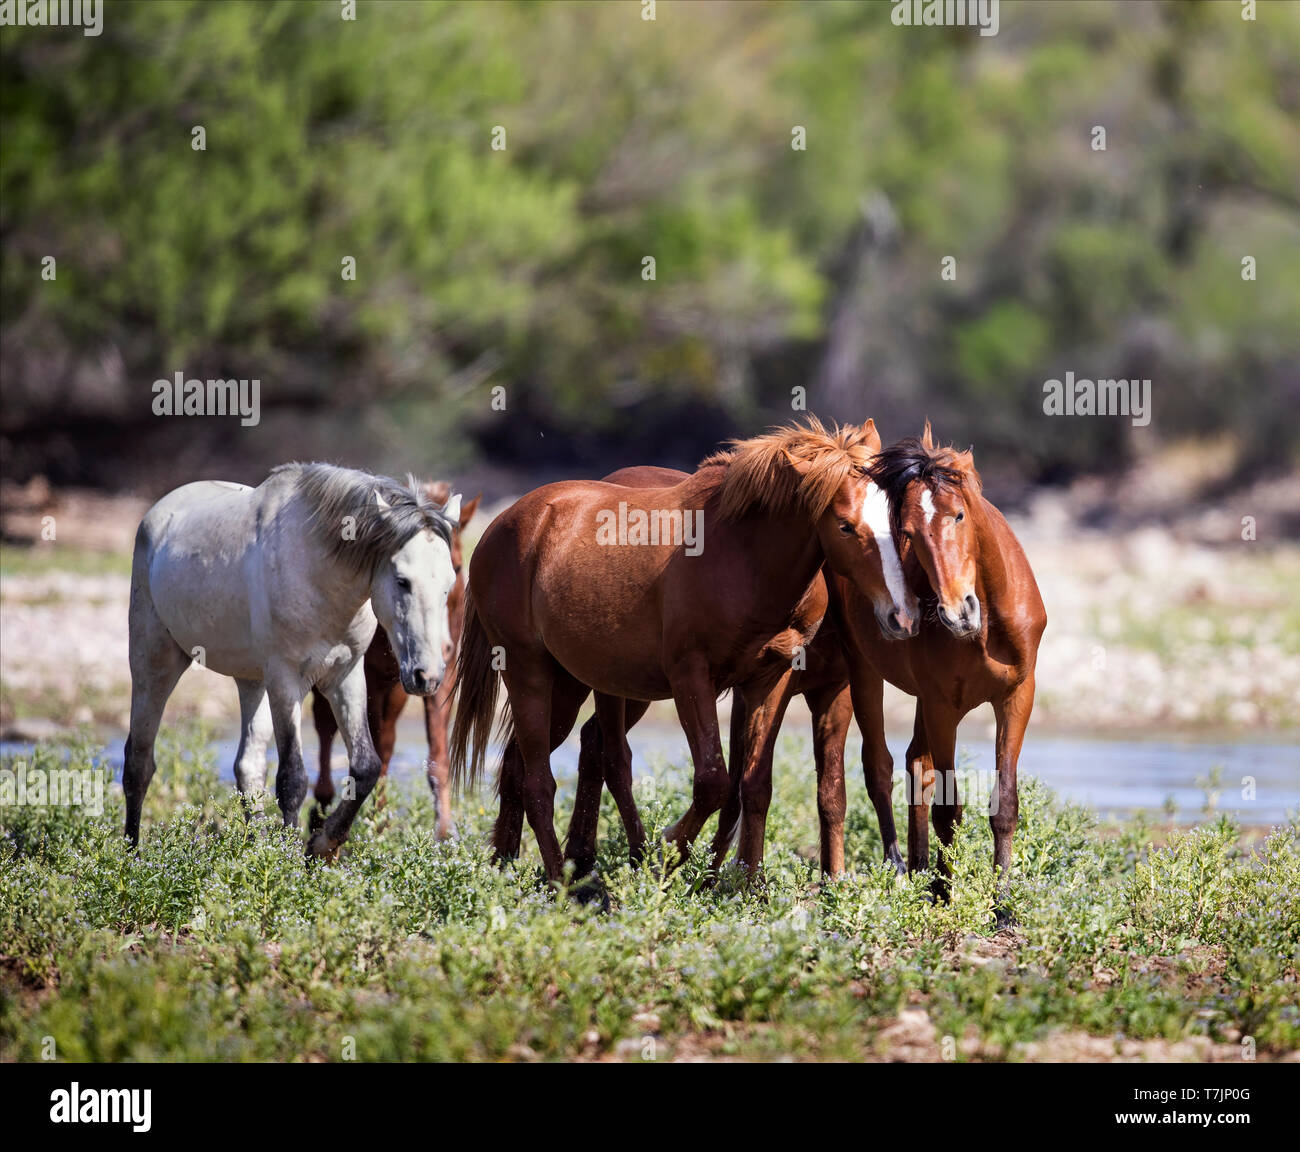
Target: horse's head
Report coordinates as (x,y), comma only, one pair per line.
(858,542)
(440,493)
(934,497)
(811,471)
(409,593)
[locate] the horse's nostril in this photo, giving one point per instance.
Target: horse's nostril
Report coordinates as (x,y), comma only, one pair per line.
(419,679)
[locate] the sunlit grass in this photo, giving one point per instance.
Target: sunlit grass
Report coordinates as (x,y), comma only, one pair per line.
(219,941)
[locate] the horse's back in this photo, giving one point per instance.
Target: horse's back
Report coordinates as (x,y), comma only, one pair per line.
(194,557)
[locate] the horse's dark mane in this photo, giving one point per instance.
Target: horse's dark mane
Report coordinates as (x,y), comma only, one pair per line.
(918,458)
(341,498)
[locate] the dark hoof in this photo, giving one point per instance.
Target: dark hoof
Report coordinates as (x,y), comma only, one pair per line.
(940,890)
(1004,921)
(315,818)
(591,892)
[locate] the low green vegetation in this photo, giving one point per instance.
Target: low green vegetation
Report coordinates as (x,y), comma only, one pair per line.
(219,942)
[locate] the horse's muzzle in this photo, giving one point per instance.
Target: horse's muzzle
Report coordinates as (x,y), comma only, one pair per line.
(896,625)
(418,682)
(964,620)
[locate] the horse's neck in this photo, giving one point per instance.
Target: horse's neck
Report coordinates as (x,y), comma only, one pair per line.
(783,553)
(990,564)
(781,549)
(335,589)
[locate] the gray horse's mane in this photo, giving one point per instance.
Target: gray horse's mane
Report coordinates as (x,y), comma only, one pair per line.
(340,498)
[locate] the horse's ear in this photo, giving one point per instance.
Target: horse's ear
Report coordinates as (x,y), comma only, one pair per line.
(380,503)
(452,509)
(870,436)
(467,512)
(927,438)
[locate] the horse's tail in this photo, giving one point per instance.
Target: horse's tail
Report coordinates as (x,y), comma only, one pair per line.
(477,686)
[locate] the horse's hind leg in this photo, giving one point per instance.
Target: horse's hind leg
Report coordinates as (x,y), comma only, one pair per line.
(606,757)
(530,683)
(326,726)
(157,663)
(567,697)
(618,777)
(255,733)
(286,692)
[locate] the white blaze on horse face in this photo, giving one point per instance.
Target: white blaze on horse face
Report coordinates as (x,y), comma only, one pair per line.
(927,505)
(409,596)
(875,515)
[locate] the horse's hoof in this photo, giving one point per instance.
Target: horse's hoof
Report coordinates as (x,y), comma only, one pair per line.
(591,891)
(321,847)
(316,818)
(1004,921)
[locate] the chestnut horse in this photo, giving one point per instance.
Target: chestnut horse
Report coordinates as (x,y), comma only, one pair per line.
(981,624)
(756,712)
(557,607)
(385,696)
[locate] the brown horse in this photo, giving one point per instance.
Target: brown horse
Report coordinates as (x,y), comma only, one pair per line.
(560,605)
(385,697)
(756,711)
(978,642)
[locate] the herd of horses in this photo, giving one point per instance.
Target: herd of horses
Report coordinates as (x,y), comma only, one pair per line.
(823,564)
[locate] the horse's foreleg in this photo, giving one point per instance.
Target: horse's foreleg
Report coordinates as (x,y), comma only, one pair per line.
(697,708)
(255,734)
(157,663)
(729,817)
(383,723)
(764,722)
(941,736)
(347,696)
(832,711)
(868,693)
(1012,716)
(920,790)
(437,712)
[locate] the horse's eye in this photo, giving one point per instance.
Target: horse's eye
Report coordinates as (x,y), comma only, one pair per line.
(403,584)
(846,528)
(959,517)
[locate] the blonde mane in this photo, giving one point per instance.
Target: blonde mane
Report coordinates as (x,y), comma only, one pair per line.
(761,472)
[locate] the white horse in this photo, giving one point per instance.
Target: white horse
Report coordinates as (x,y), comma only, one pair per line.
(279,587)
